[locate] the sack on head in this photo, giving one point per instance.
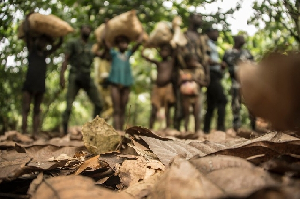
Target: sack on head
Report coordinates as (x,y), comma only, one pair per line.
(167,32)
(49,25)
(126,24)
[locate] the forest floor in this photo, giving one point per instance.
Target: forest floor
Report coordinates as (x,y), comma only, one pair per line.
(99,162)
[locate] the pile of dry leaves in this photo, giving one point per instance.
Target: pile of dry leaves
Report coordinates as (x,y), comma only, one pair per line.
(142,164)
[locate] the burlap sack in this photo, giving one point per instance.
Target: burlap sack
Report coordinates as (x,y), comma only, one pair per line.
(167,32)
(162,33)
(99,34)
(50,25)
(126,24)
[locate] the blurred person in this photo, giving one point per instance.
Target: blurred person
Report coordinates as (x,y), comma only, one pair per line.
(120,76)
(162,92)
(215,96)
(80,56)
(196,45)
(232,57)
(191,79)
(34,84)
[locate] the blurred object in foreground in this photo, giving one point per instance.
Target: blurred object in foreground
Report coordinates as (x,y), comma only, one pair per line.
(270,89)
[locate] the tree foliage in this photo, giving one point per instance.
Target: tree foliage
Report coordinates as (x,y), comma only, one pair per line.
(280,20)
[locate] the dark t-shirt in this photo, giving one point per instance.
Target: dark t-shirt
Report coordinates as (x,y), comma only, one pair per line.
(233,56)
(81,56)
(36,72)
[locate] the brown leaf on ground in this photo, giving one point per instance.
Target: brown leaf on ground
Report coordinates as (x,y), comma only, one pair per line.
(182,180)
(245,180)
(65,141)
(166,151)
(100,137)
(7,145)
(46,157)
(34,185)
(234,175)
(258,152)
(69,187)
(140,131)
(285,165)
(112,159)
(276,193)
(143,188)
(16,137)
(206,147)
(272,192)
(90,164)
(212,177)
(96,169)
(12,164)
(134,171)
(212,163)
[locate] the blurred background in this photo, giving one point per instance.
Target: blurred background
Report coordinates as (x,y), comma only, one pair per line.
(267,25)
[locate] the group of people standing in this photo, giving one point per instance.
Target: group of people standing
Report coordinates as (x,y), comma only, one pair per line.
(181,73)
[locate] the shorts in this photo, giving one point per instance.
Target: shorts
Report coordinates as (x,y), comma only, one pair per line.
(162,96)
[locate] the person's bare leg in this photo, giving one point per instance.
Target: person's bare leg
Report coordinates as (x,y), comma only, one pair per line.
(153,116)
(25,110)
(196,109)
(38,98)
(186,111)
(115,96)
(167,115)
(124,100)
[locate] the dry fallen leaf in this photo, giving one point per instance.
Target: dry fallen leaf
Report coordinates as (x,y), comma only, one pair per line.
(111,159)
(285,164)
(240,180)
(43,156)
(166,151)
(150,166)
(16,137)
(140,131)
(12,164)
(218,162)
(100,137)
(258,152)
(211,177)
(91,163)
(182,180)
(7,145)
(134,171)
(69,187)
(143,188)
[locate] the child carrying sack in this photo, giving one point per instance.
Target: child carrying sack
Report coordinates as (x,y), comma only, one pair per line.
(167,32)
(50,25)
(126,24)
